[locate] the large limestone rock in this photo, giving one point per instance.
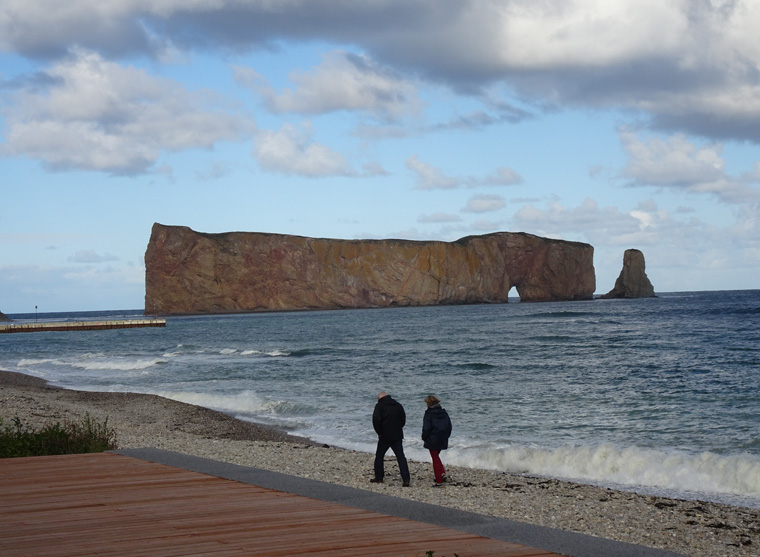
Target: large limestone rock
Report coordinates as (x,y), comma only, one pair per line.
(4,317)
(632,281)
(192,272)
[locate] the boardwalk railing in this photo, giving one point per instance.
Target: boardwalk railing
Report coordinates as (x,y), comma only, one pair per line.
(80,325)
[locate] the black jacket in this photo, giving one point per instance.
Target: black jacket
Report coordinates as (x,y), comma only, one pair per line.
(389,419)
(436,428)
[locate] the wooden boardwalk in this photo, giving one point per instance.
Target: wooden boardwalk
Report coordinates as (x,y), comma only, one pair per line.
(109,504)
(81,325)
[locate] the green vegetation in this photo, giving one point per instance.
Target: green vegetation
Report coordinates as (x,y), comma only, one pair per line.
(88,436)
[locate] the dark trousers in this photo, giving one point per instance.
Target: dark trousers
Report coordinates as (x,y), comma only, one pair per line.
(398,449)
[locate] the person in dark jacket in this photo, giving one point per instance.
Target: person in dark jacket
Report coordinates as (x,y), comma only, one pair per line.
(436,430)
(389,419)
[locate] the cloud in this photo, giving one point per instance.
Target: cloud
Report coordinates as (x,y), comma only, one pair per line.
(343,81)
(427,177)
(685,66)
(72,288)
(595,223)
(215,171)
(292,151)
(438,218)
(97,115)
(89,256)
(688,247)
(484,204)
(502,177)
(678,163)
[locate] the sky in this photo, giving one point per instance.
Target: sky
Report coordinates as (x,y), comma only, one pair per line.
(622,124)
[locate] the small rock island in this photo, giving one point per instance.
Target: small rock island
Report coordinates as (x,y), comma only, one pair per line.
(632,281)
(189,272)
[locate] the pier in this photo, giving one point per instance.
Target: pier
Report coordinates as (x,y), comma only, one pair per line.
(80,325)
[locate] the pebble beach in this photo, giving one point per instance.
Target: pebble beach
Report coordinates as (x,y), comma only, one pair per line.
(688,527)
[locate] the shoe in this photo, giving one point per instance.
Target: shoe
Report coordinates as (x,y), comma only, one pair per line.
(405,484)
(444,479)
(376,480)
(437,485)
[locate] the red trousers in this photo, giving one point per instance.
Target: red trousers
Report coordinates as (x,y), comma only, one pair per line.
(438,469)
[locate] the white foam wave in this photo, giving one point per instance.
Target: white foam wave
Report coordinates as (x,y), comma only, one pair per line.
(95,362)
(243,402)
(118,365)
(606,465)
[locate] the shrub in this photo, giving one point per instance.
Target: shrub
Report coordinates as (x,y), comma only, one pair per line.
(88,436)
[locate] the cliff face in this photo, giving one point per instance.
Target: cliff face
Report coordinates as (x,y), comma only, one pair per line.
(4,317)
(632,281)
(192,272)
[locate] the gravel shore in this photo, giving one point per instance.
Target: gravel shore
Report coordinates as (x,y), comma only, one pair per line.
(695,528)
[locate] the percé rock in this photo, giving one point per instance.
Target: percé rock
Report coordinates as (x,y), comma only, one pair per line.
(633,281)
(190,272)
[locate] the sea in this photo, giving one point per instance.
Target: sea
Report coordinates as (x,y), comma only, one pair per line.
(655,395)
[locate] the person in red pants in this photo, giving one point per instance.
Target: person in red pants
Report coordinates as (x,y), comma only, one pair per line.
(436,430)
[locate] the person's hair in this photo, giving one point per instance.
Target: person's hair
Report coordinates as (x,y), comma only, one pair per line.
(432,400)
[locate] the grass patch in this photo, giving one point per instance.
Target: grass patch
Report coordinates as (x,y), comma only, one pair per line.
(87,436)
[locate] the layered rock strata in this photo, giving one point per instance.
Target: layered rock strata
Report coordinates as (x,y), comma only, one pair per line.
(632,281)
(192,272)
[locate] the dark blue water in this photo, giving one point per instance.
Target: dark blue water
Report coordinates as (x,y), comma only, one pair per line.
(657,395)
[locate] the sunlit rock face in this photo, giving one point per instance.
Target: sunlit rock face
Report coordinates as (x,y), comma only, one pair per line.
(632,281)
(193,272)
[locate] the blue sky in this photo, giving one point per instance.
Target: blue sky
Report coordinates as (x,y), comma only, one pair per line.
(621,124)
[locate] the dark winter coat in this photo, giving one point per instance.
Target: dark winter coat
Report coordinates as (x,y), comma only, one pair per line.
(436,428)
(389,419)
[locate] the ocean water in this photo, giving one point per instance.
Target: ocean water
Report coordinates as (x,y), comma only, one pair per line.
(658,395)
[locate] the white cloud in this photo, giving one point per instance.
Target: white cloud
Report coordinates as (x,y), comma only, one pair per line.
(502,177)
(427,177)
(98,115)
(679,163)
(484,204)
(437,218)
(595,224)
(89,256)
(679,249)
(689,66)
(292,151)
(343,81)
(72,288)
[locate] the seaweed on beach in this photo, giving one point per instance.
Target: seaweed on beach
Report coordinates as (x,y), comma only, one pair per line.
(87,436)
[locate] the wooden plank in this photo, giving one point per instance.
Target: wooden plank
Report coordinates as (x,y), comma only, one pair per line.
(111,504)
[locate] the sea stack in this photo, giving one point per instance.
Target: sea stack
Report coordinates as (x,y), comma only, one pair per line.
(4,317)
(633,281)
(188,272)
